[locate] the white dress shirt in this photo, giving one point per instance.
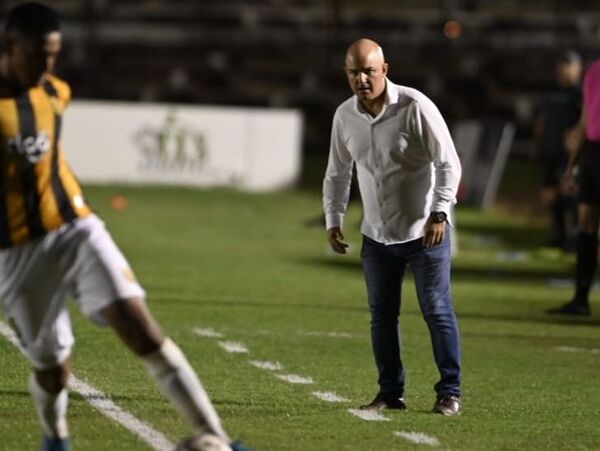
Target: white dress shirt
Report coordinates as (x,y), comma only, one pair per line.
(406,165)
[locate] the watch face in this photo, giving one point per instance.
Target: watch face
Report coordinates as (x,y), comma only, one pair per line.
(439,217)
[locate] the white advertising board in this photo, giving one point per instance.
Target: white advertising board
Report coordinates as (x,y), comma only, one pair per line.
(121,142)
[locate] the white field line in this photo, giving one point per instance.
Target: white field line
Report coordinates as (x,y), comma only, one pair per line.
(332,334)
(207,332)
(329,396)
(264,365)
(103,403)
(235,347)
(295,379)
(368,415)
(240,348)
(418,438)
(575,349)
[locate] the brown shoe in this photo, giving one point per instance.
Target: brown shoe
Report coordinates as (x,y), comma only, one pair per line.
(448,405)
(385,401)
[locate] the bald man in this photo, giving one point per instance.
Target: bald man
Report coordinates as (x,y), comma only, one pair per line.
(408,174)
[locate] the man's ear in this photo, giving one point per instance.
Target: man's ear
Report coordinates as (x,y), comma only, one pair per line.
(385,69)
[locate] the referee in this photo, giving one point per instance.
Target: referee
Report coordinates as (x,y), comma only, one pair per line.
(584,144)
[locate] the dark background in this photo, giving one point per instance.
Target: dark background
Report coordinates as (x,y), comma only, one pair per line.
(495,60)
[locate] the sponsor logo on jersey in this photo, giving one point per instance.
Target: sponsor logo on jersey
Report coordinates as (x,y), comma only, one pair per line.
(32,148)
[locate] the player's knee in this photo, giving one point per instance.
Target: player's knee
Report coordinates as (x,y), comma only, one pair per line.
(135,325)
(53,380)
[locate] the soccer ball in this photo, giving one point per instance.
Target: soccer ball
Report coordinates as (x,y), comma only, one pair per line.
(203,442)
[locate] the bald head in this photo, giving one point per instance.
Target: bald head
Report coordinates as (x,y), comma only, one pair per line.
(364,49)
(366,70)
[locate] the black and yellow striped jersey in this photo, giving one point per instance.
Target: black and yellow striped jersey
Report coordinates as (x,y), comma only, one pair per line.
(38,191)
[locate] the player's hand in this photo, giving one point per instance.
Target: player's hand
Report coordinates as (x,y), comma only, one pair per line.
(335,237)
(434,233)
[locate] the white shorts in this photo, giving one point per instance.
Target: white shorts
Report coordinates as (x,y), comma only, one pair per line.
(78,259)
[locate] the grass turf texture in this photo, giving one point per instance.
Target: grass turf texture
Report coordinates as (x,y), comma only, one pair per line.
(248,266)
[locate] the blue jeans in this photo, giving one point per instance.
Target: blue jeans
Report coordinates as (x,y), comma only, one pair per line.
(384,268)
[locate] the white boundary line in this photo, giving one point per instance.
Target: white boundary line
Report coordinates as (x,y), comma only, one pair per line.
(329,396)
(266,365)
(296,379)
(418,438)
(108,408)
(576,349)
(207,332)
(234,347)
(104,404)
(368,415)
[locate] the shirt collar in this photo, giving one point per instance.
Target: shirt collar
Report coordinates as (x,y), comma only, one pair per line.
(391,97)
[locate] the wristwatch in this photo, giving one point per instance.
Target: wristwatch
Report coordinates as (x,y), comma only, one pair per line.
(438,217)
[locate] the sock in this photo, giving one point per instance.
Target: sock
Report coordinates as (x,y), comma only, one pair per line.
(179,383)
(51,409)
(587,259)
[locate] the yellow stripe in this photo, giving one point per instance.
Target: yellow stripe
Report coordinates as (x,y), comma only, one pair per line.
(44,117)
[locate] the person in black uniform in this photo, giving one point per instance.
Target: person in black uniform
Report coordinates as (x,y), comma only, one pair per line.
(559,111)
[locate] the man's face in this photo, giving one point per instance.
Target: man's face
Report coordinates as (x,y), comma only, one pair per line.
(33,59)
(366,75)
(568,73)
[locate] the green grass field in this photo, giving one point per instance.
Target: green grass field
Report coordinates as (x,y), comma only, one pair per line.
(248,267)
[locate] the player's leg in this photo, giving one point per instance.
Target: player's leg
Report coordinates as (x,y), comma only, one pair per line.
(108,293)
(133,322)
(49,354)
(383,274)
(556,207)
(431,268)
(48,388)
(33,297)
(553,200)
(587,251)
(587,238)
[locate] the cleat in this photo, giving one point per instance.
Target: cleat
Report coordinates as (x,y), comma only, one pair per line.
(571,308)
(55,444)
(238,446)
(448,405)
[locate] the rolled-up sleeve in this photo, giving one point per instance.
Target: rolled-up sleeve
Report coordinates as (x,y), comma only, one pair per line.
(338,176)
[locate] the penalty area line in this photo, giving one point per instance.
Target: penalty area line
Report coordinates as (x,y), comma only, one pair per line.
(107,407)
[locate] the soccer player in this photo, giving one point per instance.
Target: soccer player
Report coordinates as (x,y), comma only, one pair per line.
(408,174)
(584,143)
(53,245)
